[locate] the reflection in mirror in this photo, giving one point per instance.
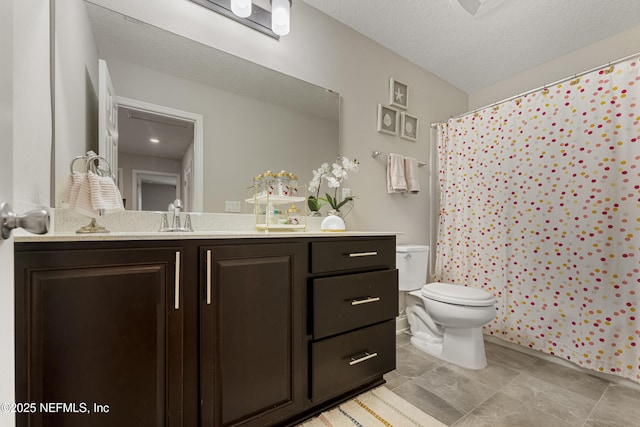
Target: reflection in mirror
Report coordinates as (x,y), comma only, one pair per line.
(253,119)
(153,150)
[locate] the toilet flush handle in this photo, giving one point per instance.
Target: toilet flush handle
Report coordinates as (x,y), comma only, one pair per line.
(407,256)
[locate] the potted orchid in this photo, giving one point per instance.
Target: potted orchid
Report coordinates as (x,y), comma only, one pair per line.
(333,175)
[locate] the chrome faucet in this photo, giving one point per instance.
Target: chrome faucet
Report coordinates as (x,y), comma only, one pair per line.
(174,208)
(177,205)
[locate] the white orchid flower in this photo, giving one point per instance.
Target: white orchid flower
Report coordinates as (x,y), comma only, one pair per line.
(332,182)
(339,172)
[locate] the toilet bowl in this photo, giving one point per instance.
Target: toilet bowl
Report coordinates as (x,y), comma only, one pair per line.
(446,322)
(445,319)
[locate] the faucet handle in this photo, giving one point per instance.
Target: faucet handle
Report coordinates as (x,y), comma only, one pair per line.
(177,203)
(164,224)
(187,223)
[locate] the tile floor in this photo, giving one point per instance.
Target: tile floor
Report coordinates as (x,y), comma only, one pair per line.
(515,389)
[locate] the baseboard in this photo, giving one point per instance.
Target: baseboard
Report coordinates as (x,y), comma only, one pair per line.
(555,359)
(402,324)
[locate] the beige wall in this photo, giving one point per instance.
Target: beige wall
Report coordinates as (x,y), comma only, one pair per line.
(324,52)
(595,55)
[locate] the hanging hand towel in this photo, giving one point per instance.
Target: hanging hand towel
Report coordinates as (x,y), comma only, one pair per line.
(77,194)
(396,182)
(104,193)
(411,174)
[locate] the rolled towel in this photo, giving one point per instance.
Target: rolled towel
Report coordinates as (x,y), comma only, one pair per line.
(104,193)
(396,182)
(411,174)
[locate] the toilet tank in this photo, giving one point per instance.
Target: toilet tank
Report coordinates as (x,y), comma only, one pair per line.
(412,262)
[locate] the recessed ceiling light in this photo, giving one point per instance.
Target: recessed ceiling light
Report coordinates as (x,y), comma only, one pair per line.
(154,140)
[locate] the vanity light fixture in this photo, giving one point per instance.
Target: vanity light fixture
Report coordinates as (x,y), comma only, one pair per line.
(274,23)
(241,8)
(154,140)
(281,16)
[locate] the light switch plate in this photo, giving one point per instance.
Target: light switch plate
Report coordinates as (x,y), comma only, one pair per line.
(232,206)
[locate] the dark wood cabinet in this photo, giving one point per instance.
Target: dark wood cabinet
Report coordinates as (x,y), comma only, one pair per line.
(251,321)
(99,332)
(212,332)
(354,301)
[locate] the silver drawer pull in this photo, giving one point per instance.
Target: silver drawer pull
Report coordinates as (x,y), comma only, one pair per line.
(366,300)
(208,277)
(176,297)
(362,359)
(359,254)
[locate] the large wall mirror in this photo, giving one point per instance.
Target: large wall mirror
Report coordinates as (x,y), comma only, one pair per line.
(194,122)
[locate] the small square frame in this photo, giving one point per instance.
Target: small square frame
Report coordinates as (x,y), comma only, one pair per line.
(398,94)
(387,120)
(408,127)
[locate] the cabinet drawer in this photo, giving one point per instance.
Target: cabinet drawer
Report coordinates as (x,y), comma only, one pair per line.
(348,360)
(343,303)
(352,254)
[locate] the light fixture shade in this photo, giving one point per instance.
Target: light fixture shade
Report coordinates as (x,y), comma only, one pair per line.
(241,8)
(280,17)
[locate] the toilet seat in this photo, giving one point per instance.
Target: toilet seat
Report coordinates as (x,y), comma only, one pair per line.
(457,294)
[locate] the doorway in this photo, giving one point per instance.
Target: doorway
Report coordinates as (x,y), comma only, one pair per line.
(164,147)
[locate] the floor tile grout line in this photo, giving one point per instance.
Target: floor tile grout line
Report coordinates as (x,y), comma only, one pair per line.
(596,404)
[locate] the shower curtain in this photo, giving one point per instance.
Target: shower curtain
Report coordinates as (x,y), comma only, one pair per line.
(540,206)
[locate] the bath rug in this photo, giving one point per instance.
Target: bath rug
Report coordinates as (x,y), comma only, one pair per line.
(377,407)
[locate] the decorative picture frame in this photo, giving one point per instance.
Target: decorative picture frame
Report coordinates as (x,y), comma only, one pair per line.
(387,120)
(398,94)
(408,127)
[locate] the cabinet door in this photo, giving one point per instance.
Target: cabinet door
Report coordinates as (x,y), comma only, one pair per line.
(251,338)
(99,335)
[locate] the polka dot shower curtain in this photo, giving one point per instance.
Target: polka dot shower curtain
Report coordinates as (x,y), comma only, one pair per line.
(540,206)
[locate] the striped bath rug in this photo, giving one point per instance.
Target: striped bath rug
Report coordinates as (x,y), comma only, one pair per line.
(377,407)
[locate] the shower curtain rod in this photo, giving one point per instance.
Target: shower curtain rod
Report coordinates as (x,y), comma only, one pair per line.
(511,98)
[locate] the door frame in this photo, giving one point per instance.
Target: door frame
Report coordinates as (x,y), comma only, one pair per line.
(198,140)
(136,196)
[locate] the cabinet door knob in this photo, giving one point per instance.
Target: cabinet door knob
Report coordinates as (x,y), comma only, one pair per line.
(366,300)
(366,356)
(36,221)
(359,254)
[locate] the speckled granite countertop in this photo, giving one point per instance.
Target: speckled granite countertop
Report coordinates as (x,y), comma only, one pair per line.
(129,226)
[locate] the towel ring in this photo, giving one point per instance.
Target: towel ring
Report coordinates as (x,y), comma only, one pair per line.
(92,165)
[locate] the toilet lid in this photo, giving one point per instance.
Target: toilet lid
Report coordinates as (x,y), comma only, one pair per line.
(458,295)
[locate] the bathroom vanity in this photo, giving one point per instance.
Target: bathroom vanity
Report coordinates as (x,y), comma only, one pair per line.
(211,330)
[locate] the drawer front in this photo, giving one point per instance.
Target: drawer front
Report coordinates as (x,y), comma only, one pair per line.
(344,303)
(349,360)
(352,254)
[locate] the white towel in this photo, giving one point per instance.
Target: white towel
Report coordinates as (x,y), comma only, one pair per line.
(396,182)
(87,193)
(411,174)
(104,193)
(77,194)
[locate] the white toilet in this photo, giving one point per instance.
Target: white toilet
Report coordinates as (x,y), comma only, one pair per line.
(445,319)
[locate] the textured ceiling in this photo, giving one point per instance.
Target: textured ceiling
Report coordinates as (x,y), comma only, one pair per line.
(475,52)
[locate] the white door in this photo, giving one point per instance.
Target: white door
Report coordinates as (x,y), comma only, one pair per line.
(107,119)
(7,370)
